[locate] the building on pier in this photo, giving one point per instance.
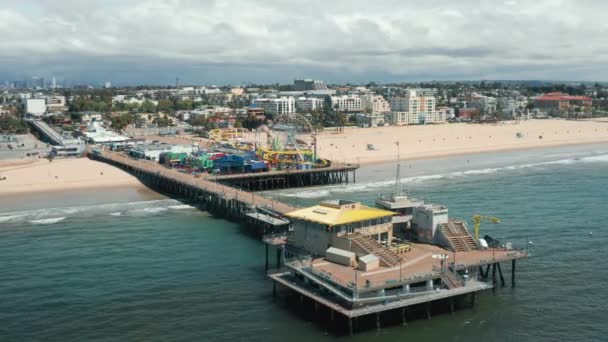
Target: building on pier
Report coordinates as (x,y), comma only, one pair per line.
(335,223)
(345,256)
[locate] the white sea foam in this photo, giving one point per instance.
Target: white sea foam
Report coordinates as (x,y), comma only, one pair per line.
(48,220)
(147,211)
(10,218)
(338,189)
(595,159)
(481,172)
(180,207)
(39,216)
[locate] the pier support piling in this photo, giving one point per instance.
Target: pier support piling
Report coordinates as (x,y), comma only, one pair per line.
(428,310)
(494,275)
(378,321)
(278,258)
(266,257)
(502,278)
(473,299)
(350,326)
(513,273)
(403,319)
(452,305)
(332,315)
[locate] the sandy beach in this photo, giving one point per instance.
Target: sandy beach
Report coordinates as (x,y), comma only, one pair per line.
(431,141)
(40,175)
(416,142)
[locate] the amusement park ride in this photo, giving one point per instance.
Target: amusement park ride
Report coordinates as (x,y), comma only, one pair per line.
(285,147)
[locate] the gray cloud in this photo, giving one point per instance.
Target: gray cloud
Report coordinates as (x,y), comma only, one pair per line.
(271,40)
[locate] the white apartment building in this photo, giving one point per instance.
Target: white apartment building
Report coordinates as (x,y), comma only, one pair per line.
(375,103)
(346,103)
(276,106)
(417,106)
(309,104)
(207,91)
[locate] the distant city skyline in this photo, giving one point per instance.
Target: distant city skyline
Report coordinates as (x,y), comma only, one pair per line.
(234,42)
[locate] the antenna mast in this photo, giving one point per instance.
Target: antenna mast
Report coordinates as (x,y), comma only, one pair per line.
(398,185)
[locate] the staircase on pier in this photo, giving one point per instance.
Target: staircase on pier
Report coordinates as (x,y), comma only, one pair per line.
(458,236)
(368,245)
(451,279)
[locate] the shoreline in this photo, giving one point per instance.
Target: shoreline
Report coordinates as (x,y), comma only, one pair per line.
(440,155)
(378,144)
(43,176)
(118,179)
(426,142)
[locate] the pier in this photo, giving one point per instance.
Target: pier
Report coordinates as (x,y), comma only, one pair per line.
(419,280)
(226,195)
(419,287)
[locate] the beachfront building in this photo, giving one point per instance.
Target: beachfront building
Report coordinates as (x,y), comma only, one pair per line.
(154,150)
(418,106)
(309,104)
(372,120)
(276,106)
(336,223)
(557,103)
(97,134)
(485,104)
(375,104)
(346,103)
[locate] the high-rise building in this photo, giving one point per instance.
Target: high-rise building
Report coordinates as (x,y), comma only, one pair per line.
(346,103)
(417,106)
(308,104)
(375,104)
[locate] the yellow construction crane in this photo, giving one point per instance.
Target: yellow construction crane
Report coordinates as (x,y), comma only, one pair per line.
(477,222)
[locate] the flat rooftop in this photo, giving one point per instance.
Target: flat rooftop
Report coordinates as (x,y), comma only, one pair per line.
(421,263)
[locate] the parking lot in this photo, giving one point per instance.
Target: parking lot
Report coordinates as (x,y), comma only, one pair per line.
(22,146)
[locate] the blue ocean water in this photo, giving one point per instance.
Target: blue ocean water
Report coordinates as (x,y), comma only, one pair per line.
(135,268)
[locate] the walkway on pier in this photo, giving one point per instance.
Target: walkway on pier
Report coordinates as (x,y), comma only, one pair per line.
(203,182)
(333,167)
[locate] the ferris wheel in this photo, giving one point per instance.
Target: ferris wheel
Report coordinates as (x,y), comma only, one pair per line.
(288,129)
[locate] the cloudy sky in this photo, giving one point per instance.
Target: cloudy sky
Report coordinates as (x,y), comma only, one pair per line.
(238,41)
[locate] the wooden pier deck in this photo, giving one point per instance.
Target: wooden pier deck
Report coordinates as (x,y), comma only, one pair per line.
(228,195)
(205,183)
(337,173)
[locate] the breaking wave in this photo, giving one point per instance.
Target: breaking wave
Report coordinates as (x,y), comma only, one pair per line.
(54,215)
(48,220)
(336,189)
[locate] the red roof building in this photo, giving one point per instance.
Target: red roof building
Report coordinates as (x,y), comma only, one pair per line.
(468,113)
(562,101)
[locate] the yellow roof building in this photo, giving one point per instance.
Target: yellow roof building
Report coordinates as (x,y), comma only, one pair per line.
(333,213)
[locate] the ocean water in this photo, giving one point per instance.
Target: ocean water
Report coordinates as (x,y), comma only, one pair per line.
(134,266)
